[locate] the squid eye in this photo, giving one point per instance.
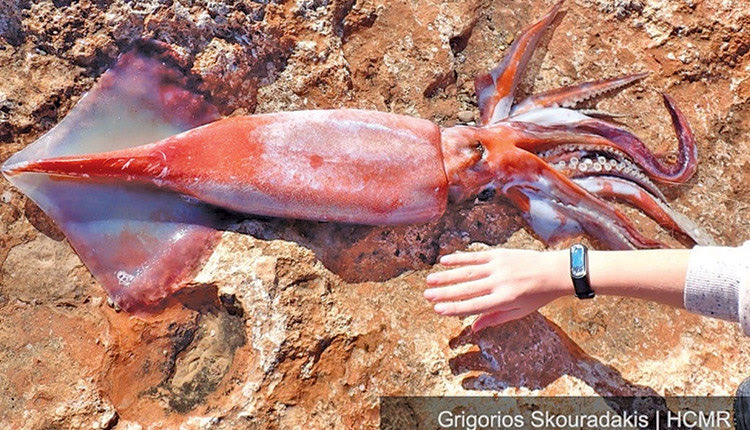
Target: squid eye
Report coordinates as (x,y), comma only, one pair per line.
(486,194)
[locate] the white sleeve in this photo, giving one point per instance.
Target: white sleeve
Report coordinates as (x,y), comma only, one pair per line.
(717,283)
(744,291)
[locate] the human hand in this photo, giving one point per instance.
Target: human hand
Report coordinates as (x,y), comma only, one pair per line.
(501,284)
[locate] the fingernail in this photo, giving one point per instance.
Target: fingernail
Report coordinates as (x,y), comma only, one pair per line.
(427,294)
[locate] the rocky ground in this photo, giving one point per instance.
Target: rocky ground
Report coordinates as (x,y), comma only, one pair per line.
(295,323)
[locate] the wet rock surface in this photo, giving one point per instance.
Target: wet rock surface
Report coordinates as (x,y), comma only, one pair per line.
(294,323)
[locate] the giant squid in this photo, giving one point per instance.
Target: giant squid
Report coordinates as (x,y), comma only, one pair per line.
(134,174)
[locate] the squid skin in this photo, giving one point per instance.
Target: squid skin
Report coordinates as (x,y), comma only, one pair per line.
(134,174)
(318,165)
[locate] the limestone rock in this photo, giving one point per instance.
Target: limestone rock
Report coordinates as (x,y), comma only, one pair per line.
(301,324)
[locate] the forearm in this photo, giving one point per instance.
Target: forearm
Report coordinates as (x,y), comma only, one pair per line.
(704,280)
(655,275)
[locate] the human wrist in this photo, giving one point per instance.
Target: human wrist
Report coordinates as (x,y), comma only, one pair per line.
(558,273)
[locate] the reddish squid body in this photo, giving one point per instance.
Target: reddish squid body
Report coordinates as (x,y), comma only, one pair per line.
(132,175)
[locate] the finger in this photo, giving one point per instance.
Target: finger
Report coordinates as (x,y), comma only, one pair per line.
(497,318)
(463,258)
(471,361)
(465,290)
(476,305)
(462,274)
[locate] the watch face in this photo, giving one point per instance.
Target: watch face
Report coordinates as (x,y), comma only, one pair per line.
(577,261)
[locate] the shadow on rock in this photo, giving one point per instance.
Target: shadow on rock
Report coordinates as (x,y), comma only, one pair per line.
(533,353)
(359,253)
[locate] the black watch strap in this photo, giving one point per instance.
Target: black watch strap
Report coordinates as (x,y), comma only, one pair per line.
(579,271)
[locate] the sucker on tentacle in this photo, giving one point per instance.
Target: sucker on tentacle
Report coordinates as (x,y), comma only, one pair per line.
(546,129)
(593,215)
(135,174)
(677,173)
(571,160)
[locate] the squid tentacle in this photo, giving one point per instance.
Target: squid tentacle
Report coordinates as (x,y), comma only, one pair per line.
(547,129)
(496,89)
(676,173)
(572,95)
(628,192)
(557,208)
(579,160)
(566,151)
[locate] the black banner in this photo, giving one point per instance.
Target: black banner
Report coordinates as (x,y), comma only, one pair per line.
(548,413)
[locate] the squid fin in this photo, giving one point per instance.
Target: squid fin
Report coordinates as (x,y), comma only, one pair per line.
(140,243)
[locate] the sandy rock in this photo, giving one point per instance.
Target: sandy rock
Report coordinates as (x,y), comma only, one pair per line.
(302,324)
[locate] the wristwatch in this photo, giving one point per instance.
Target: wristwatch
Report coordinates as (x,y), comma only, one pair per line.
(579,271)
